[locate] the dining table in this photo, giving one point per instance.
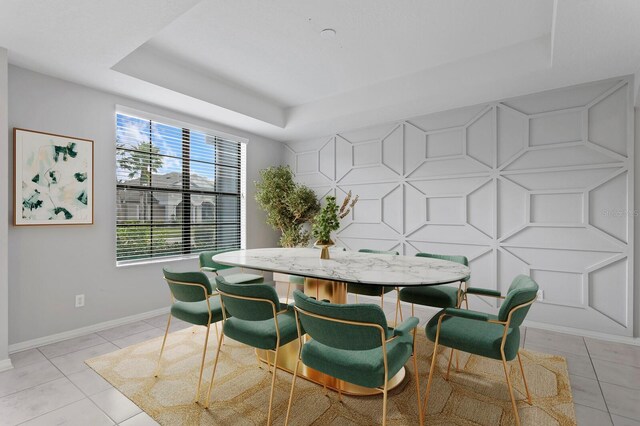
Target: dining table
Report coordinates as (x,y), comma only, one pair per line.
(328,279)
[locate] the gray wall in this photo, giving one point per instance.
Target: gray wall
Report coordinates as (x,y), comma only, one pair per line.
(541,185)
(50,265)
(4,202)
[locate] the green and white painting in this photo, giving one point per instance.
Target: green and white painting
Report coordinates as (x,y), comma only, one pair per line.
(53,179)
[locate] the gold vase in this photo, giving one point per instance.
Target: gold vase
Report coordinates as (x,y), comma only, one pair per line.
(324,248)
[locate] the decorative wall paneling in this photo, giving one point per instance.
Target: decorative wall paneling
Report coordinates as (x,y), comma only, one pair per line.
(541,185)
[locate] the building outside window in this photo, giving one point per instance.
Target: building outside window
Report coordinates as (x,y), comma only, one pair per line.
(179,189)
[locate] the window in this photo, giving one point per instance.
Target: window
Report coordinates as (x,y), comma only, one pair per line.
(179,190)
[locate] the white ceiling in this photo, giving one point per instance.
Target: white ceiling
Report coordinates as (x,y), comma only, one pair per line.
(262,66)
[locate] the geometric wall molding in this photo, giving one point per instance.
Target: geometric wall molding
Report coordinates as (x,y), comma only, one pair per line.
(541,184)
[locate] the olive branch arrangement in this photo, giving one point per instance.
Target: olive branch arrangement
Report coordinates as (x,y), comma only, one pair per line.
(328,220)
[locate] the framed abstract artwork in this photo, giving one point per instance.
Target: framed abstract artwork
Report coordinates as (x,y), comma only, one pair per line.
(53,179)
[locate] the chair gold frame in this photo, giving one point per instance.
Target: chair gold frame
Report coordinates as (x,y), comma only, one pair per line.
(384,342)
(504,359)
(275,363)
(206,338)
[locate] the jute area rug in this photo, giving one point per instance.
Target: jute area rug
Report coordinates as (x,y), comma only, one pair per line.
(475,395)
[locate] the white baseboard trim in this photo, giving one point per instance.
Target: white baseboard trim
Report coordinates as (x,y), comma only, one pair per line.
(54,338)
(629,340)
(5,364)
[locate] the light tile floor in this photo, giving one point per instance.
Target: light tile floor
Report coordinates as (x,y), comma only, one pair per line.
(51,385)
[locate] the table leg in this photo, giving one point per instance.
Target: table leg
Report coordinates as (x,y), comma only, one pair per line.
(335,292)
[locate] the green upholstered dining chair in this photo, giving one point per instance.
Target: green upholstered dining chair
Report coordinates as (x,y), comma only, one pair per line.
(208,265)
(376,290)
(192,302)
(491,336)
(253,315)
(352,342)
(439,296)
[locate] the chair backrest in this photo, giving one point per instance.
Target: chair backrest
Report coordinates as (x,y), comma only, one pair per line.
(206,260)
(323,327)
(450,257)
(187,286)
(256,308)
(393,253)
(522,290)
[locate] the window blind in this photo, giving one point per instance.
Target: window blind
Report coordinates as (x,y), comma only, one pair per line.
(178,190)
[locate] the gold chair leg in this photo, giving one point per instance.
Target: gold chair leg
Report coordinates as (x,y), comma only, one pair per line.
(293,384)
(431,369)
(382,299)
(415,368)
(164,340)
(288,291)
(204,354)
(213,373)
(513,398)
(449,366)
(215,325)
(339,391)
(258,358)
(356,297)
(524,379)
(384,403)
(395,317)
(457,361)
(268,362)
(273,383)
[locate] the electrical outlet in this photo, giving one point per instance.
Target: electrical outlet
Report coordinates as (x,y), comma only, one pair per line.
(540,295)
(79,300)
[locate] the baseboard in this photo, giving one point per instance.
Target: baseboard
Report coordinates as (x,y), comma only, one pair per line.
(5,364)
(54,338)
(584,333)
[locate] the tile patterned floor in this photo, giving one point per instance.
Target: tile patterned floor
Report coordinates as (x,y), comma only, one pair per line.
(51,385)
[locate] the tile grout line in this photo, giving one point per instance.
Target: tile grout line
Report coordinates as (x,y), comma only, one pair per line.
(86,396)
(40,384)
(598,380)
(69,353)
(70,381)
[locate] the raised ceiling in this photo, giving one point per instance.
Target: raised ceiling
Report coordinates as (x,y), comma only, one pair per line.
(262,66)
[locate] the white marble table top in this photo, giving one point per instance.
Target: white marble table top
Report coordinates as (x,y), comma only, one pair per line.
(348,266)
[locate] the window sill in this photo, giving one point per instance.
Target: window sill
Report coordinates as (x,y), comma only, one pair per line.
(124,264)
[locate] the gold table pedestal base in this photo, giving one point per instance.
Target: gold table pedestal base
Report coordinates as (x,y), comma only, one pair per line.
(335,292)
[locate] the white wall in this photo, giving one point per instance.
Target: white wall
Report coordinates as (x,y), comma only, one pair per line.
(4,219)
(50,265)
(539,185)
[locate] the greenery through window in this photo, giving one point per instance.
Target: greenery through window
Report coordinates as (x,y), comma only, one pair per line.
(178,190)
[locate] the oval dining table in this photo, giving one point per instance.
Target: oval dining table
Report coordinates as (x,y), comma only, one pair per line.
(327,279)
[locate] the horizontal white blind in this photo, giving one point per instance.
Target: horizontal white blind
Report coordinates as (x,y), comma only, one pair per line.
(178,190)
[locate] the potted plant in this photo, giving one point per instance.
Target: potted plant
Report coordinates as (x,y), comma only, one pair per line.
(289,205)
(328,221)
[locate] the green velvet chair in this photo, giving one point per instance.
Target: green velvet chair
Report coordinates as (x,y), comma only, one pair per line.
(439,296)
(208,265)
(491,336)
(372,290)
(192,301)
(253,315)
(352,342)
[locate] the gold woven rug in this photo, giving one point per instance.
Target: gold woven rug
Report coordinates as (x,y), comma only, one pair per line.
(476,395)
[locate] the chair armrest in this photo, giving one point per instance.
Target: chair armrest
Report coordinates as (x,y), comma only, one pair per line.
(406,326)
(464,313)
(483,292)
